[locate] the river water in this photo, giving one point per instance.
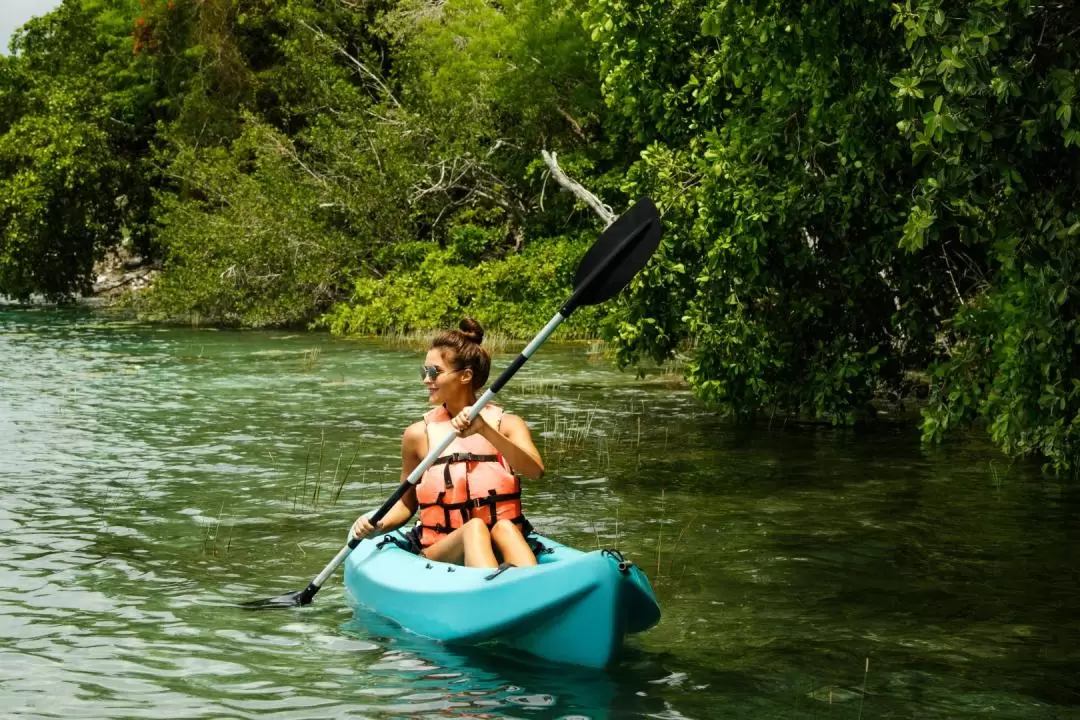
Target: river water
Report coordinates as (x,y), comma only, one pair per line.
(152,477)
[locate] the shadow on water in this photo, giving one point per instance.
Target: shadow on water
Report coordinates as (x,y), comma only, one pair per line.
(420,676)
(416,675)
(424,676)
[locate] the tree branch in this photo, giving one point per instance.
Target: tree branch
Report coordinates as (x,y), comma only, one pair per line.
(574,124)
(576,188)
(359,65)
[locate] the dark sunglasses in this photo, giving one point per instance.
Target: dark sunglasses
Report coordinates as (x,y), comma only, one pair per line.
(430,372)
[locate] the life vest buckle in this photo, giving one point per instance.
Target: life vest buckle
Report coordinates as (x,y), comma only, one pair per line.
(460,457)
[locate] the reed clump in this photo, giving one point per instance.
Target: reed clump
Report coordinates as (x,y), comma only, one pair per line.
(327,471)
(586,432)
(213,535)
(311,357)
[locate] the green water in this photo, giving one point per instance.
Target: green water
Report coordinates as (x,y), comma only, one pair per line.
(151,477)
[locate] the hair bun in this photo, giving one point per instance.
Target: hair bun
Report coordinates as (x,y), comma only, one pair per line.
(472,330)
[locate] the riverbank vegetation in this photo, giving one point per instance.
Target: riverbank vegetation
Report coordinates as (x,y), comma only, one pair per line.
(853,191)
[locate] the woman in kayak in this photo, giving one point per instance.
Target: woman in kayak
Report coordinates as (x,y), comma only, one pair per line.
(470,498)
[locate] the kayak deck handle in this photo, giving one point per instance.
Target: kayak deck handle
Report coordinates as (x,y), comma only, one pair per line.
(503,567)
(622,563)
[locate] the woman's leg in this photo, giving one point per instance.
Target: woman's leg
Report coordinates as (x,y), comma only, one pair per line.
(515,550)
(470,543)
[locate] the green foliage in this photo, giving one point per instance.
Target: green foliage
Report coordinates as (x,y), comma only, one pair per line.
(988,102)
(852,190)
(520,71)
(351,155)
(1013,362)
(515,295)
(768,135)
(246,243)
(52,215)
(70,175)
(296,189)
(487,86)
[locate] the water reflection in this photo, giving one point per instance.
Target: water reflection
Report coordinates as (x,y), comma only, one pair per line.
(425,676)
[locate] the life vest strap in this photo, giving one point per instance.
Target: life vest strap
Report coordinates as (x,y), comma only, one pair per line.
(492,499)
(441,529)
(449,506)
(519,520)
(472,503)
(465,457)
(448,460)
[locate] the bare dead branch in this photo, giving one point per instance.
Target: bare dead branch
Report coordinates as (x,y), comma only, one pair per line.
(577,189)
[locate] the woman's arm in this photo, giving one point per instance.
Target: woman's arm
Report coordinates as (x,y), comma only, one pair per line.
(413,447)
(512,439)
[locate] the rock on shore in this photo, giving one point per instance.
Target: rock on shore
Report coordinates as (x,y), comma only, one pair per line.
(120,271)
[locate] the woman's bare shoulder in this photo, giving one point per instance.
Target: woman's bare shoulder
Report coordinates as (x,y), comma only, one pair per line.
(414,432)
(512,422)
(414,441)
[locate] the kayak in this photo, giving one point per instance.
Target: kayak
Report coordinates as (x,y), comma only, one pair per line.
(573,607)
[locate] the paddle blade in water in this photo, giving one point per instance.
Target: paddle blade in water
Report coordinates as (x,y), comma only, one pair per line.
(618,255)
(280,602)
(296,599)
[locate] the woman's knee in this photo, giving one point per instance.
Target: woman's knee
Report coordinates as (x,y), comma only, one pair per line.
(475,527)
(504,529)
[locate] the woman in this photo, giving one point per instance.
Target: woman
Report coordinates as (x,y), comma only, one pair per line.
(470,498)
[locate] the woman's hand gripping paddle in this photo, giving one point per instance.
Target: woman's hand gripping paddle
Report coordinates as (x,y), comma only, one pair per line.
(614,259)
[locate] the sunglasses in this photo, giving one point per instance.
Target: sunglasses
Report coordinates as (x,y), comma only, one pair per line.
(430,372)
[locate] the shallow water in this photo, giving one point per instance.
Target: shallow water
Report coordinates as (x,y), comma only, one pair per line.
(151,477)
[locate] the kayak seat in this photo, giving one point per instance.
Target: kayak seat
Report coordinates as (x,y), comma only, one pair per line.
(538,548)
(410,543)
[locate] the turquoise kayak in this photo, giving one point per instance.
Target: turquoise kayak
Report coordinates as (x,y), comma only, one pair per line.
(574,607)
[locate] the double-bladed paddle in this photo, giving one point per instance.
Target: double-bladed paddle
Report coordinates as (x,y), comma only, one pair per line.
(615,258)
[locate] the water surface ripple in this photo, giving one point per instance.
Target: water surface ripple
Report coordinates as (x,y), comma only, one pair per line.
(154,477)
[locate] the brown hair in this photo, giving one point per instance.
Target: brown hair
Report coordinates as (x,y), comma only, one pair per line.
(464,351)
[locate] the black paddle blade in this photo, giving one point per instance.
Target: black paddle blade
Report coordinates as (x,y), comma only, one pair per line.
(283,602)
(618,255)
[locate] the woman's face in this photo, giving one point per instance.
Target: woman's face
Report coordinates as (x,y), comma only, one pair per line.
(442,381)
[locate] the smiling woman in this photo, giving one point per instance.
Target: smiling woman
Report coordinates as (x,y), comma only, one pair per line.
(470,498)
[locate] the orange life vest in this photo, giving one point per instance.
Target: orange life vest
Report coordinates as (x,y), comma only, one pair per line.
(471,479)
